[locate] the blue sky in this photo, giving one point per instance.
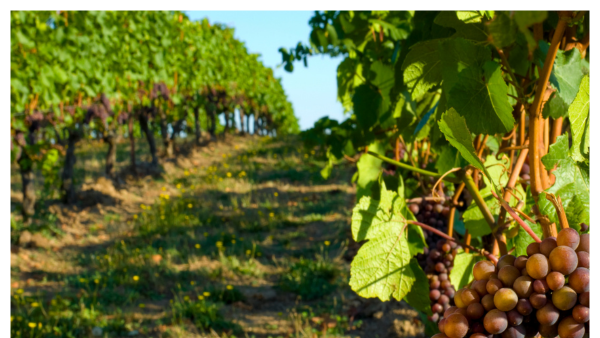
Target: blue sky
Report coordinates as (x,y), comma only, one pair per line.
(312,90)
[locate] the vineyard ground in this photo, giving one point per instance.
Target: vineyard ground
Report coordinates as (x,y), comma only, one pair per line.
(244,227)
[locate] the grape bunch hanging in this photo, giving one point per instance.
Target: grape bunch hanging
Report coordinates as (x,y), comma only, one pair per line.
(545,293)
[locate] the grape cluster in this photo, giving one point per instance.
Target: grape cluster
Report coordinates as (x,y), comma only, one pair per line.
(545,292)
(433,214)
(437,264)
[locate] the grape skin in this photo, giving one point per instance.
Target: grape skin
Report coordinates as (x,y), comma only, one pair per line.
(505,299)
(570,328)
(579,280)
(564,298)
(563,259)
(537,266)
(581,314)
(568,237)
(555,280)
(456,326)
(548,315)
(495,321)
(483,270)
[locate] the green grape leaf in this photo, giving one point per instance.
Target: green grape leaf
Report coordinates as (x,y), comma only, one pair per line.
(481,97)
(369,168)
(422,68)
(469,16)
(382,265)
(457,133)
(568,71)
(369,104)
(469,31)
(502,30)
(524,20)
(578,116)
(572,184)
(523,239)
(462,272)
(418,296)
(555,107)
(449,158)
(458,54)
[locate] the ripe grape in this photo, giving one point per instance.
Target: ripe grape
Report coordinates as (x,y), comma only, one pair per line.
(563,259)
(505,299)
(480,287)
(483,270)
(414,208)
(584,298)
(537,265)
(524,307)
(583,259)
(456,326)
(533,248)
(514,317)
(493,285)
(469,297)
(505,260)
(555,280)
(564,298)
(523,286)
(547,315)
(514,332)
(538,300)
(488,302)
(475,311)
(568,237)
(521,262)
(579,280)
(541,286)
(584,243)
(547,245)
(495,321)
(548,330)
(434,294)
(508,274)
(581,314)
(570,328)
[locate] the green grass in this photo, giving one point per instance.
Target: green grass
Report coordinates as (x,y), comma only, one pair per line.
(176,263)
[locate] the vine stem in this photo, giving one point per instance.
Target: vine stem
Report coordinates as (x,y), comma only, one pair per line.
(487,214)
(517,218)
(560,211)
(443,235)
(413,168)
(457,193)
(535,114)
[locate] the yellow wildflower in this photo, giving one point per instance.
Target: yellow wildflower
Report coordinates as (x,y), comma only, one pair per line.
(197,246)
(31,325)
(142,305)
(327,243)
(136,278)
(178,186)
(186,173)
(219,244)
(189,205)
(271,214)
(233,241)
(275,194)
(200,297)
(35,304)
(228,174)
(206,294)
(186,298)
(229,287)
(164,188)
(135,216)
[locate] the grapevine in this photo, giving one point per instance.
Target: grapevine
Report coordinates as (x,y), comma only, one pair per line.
(493,106)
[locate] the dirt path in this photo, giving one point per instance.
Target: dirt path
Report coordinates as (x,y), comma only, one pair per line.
(241,237)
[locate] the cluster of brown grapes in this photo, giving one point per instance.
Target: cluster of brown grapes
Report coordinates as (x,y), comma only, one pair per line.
(545,293)
(437,264)
(433,214)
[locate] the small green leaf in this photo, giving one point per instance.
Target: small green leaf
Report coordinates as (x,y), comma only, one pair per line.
(502,30)
(578,116)
(368,105)
(418,297)
(369,168)
(462,272)
(457,133)
(482,98)
(422,68)
(572,184)
(523,239)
